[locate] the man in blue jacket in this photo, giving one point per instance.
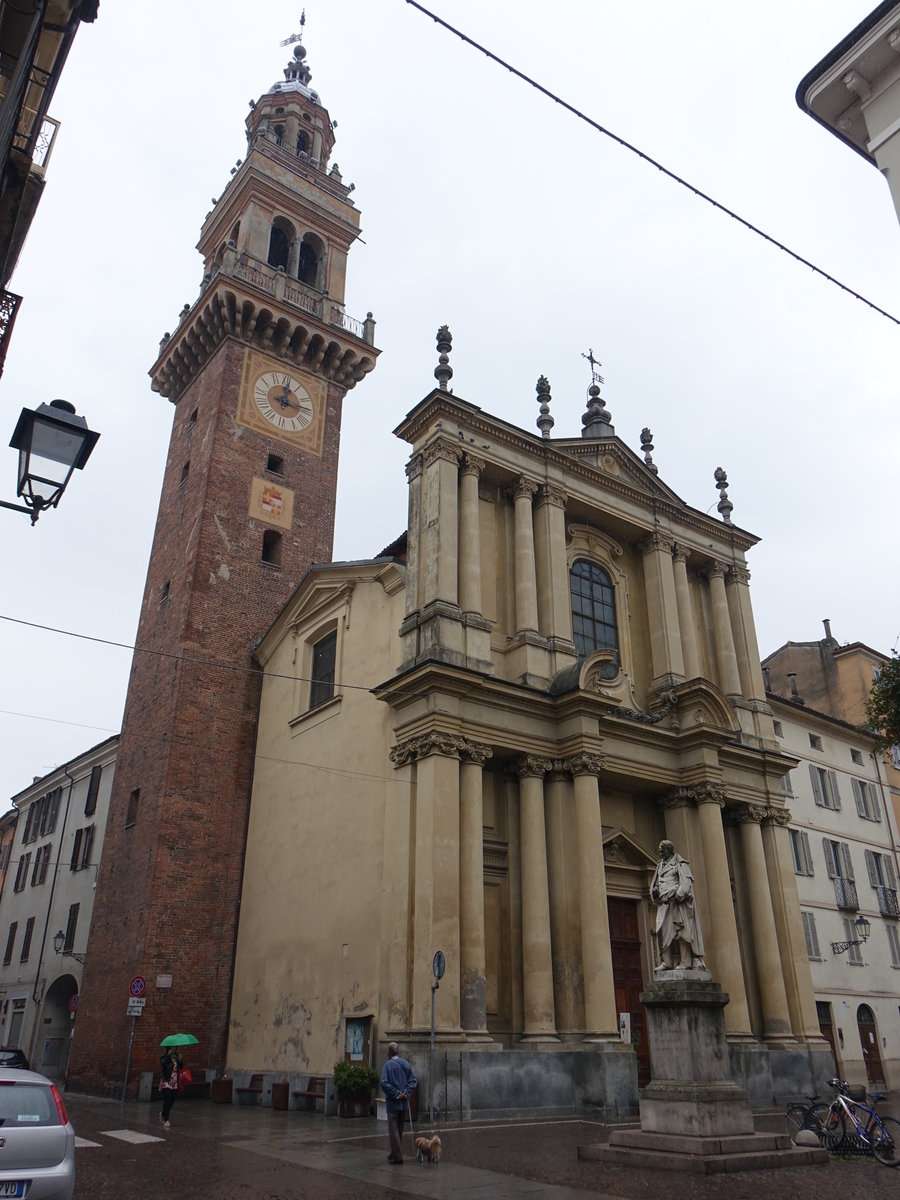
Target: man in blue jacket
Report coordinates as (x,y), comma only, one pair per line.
(397,1081)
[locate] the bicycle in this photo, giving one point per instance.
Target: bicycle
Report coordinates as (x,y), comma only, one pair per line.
(806,1116)
(880,1135)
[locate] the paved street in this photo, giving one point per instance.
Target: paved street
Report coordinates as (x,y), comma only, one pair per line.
(241,1153)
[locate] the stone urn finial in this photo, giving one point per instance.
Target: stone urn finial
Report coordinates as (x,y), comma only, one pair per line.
(544,422)
(724,506)
(443,372)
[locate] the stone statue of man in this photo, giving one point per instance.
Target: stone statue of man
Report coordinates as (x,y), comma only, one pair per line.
(677,927)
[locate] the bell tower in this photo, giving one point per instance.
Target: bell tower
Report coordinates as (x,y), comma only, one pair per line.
(257,369)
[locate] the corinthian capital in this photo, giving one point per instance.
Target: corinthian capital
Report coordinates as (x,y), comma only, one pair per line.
(709,793)
(414,467)
(441,450)
(475,752)
(523,487)
(738,574)
(715,570)
(777,816)
(548,493)
(584,763)
(750,814)
(448,744)
(532,765)
(472,465)
(657,540)
(681,798)
(680,552)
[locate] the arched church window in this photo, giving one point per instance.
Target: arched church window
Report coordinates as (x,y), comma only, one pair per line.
(312,252)
(593,608)
(280,243)
(302,142)
(278,130)
(235,232)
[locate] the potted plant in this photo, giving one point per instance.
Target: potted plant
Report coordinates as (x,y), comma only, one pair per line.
(354,1083)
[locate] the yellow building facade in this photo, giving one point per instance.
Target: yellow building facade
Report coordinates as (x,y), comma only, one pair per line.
(474,743)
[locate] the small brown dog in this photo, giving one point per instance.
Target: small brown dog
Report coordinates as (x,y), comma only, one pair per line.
(428,1149)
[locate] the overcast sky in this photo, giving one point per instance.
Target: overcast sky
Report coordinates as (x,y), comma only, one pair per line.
(487,207)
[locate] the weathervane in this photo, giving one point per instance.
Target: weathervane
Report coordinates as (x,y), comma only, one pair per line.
(295,37)
(596,377)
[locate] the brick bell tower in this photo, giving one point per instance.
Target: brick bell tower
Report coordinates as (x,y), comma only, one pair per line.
(257,370)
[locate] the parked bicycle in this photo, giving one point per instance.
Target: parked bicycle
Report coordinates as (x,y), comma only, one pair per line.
(807,1116)
(868,1131)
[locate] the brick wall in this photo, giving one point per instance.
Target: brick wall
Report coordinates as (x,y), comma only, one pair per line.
(169,889)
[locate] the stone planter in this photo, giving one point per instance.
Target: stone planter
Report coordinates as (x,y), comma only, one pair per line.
(355,1106)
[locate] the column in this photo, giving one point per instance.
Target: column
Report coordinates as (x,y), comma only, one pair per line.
(565,926)
(689,647)
(440,523)
(293,262)
(729,678)
(435,916)
(600,1019)
(470,535)
(526,582)
(789,925)
(776,1017)
(743,629)
(721,939)
(471,889)
(662,609)
(537,963)
(414,470)
(554,601)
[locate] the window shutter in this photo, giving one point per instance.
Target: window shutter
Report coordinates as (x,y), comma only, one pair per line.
(833,788)
(816,780)
(76,850)
(54,808)
(807,855)
(894,943)
(830,865)
(871,868)
(29,821)
(858,797)
(90,805)
(873,797)
(809,933)
(846,860)
(890,879)
(88,842)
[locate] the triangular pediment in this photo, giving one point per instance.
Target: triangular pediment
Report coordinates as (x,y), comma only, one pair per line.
(623,849)
(617,462)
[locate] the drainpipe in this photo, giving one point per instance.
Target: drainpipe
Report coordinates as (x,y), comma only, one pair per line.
(888,807)
(37,977)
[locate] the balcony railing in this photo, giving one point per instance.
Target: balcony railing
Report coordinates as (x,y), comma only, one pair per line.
(845,893)
(887,902)
(275,283)
(9,306)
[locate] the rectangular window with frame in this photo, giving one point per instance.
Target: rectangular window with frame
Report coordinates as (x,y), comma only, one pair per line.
(81,849)
(809,933)
(5,852)
(41,863)
(851,935)
(866,798)
(803,863)
(26,940)
(839,865)
(825,787)
(90,804)
(321,688)
(22,873)
(884,881)
(10,943)
(894,944)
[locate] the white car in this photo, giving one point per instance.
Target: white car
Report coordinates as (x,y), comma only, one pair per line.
(37,1141)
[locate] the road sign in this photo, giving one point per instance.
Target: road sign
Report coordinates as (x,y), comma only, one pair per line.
(438,965)
(73,1003)
(137,985)
(135,1009)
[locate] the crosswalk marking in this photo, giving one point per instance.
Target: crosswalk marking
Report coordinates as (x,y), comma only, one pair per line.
(129,1135)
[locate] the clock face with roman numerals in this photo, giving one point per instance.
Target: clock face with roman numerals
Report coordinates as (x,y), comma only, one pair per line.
(283,401)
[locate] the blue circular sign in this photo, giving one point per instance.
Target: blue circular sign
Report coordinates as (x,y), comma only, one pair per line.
(137,985)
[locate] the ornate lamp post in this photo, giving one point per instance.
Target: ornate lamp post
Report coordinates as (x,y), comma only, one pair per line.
(863,926)
(59,942)
(52,443)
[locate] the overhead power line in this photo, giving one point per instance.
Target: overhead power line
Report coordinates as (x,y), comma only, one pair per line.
(582,116)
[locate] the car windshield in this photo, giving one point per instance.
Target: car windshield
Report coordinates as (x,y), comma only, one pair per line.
(26,1104)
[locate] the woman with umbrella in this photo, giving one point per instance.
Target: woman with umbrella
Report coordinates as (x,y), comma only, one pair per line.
(170,1068)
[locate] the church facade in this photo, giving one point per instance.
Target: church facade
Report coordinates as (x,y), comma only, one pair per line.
(473,745)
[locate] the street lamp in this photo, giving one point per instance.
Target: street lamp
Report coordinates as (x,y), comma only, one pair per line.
(863,926)
(59,941)
(52,443)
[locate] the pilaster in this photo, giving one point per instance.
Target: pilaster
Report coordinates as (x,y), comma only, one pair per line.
(689,648)
(537,962)
(662,611)
(726,659)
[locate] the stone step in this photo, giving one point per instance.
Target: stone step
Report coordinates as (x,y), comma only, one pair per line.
(700,1164)
(673,1143)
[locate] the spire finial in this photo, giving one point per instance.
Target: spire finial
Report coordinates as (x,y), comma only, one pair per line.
(596,421)
(724,506)
(443,372)
(647,446)
(544,422)
(298,68)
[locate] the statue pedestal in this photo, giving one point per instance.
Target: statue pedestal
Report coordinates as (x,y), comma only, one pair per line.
(691,1093)
(694,1117)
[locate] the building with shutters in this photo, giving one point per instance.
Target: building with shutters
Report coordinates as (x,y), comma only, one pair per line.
(843,846)
(51,877)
